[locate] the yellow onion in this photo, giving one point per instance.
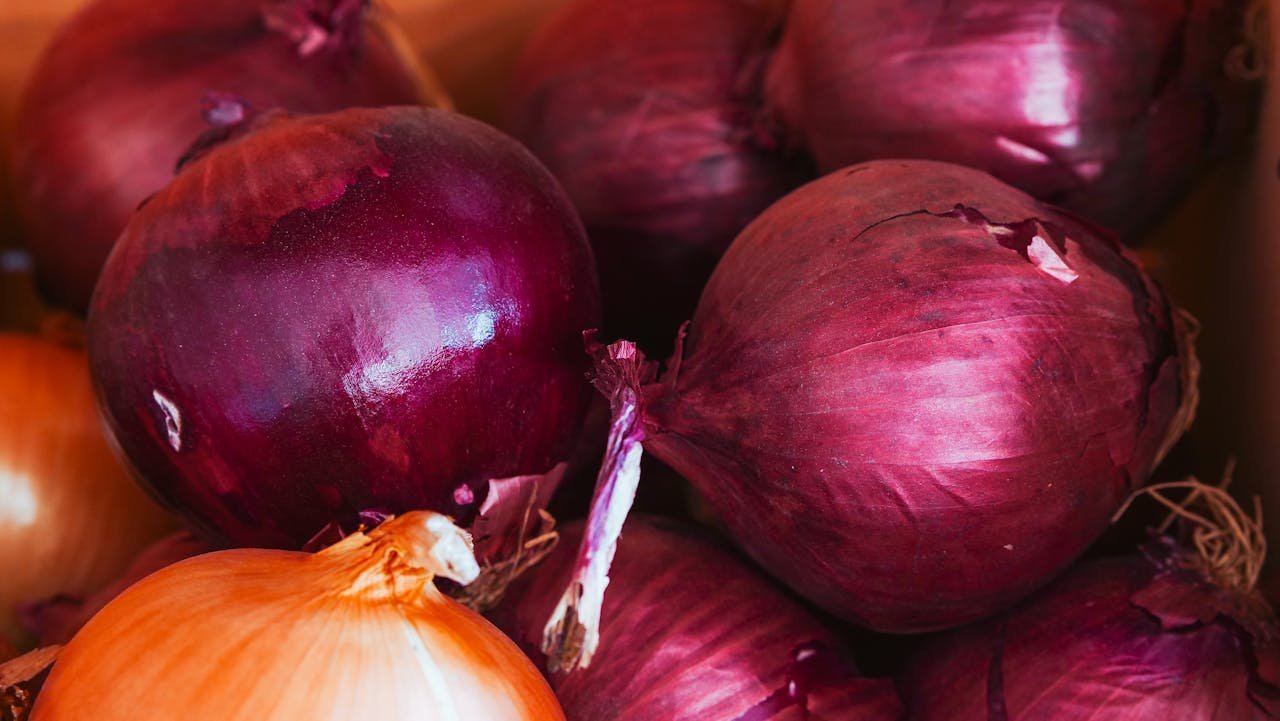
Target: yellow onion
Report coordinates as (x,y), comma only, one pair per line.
(71,518)
(357,630)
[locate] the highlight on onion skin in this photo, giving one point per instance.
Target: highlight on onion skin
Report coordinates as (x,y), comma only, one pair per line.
(336,317)
(1111,110)
(71,518)
(647,112)
(911,392)
(117,98)
(1141,637)
(356,630)
(690,632)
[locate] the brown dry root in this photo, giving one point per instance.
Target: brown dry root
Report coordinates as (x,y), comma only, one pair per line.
(536,543)
(1251,59)
(1229,544)
(20,681)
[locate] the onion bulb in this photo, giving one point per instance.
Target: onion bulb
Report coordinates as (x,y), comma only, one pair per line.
(357,630)
(71,518)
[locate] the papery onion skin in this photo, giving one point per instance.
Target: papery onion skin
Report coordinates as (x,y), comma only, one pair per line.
(71,518)
(647,112)
(693,633)
(356,630)
(1099,645)
(358,313)
(1112,110)
(116,99)
(902,404)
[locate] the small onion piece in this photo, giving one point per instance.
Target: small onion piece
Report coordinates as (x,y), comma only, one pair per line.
(691,633)
(1109,109)
(911,392)
(336,317)
(356,631)
(1173,633)
(71,518)
(126,86)
(646,112)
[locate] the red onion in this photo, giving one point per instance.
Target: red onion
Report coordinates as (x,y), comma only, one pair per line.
(1110,109)
(692,633)
(1170,634)
(117,98)
(911,392)
(647,112)
(337,317)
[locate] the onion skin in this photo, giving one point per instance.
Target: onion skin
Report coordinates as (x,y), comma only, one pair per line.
(911,392)
(356,629)
(692,633)
(116,99)
(369,311)
(1123,639)
(1112,110)
(71,518)
(646,112)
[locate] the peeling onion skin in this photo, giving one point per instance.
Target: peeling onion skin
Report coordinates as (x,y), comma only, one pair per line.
(1090,648)
(369,310)
(907,421)
(691,633)
(116,99)
(647,113)
(1109,109)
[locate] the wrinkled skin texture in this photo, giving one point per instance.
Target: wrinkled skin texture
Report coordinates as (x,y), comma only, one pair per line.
(374,309)
(900,414)
(646,112)
(1092,648)
(691,633)
(116,100)
(1109,109)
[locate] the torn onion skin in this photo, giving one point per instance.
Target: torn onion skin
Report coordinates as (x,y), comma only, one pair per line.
(647,112)
(1112,110)
(356,630)
(117,98)
(911,392)
(1123,639)
(336,317)
(692,633)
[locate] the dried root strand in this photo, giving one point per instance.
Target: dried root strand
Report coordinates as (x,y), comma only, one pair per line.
(487,591)
(1229,542)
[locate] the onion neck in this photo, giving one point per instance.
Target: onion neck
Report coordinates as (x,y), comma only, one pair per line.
(316,26)
(572,634)
(406,553)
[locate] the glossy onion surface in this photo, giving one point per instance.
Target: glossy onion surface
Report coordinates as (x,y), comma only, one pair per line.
(1111,109)
(915,394)
(370,311)
(70,516)
(117,98)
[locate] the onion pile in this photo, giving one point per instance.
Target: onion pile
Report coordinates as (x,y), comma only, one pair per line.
(672,123)
(1170,634)
(690,632)
(70,517)
(357,630)
(911,392)
(334,318)
(127,85)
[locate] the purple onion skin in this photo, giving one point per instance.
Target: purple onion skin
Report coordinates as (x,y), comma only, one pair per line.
(361,311)
(902,416)
(116,100)
(691,633)
(647,113)
(1103,644)
(1109,109)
